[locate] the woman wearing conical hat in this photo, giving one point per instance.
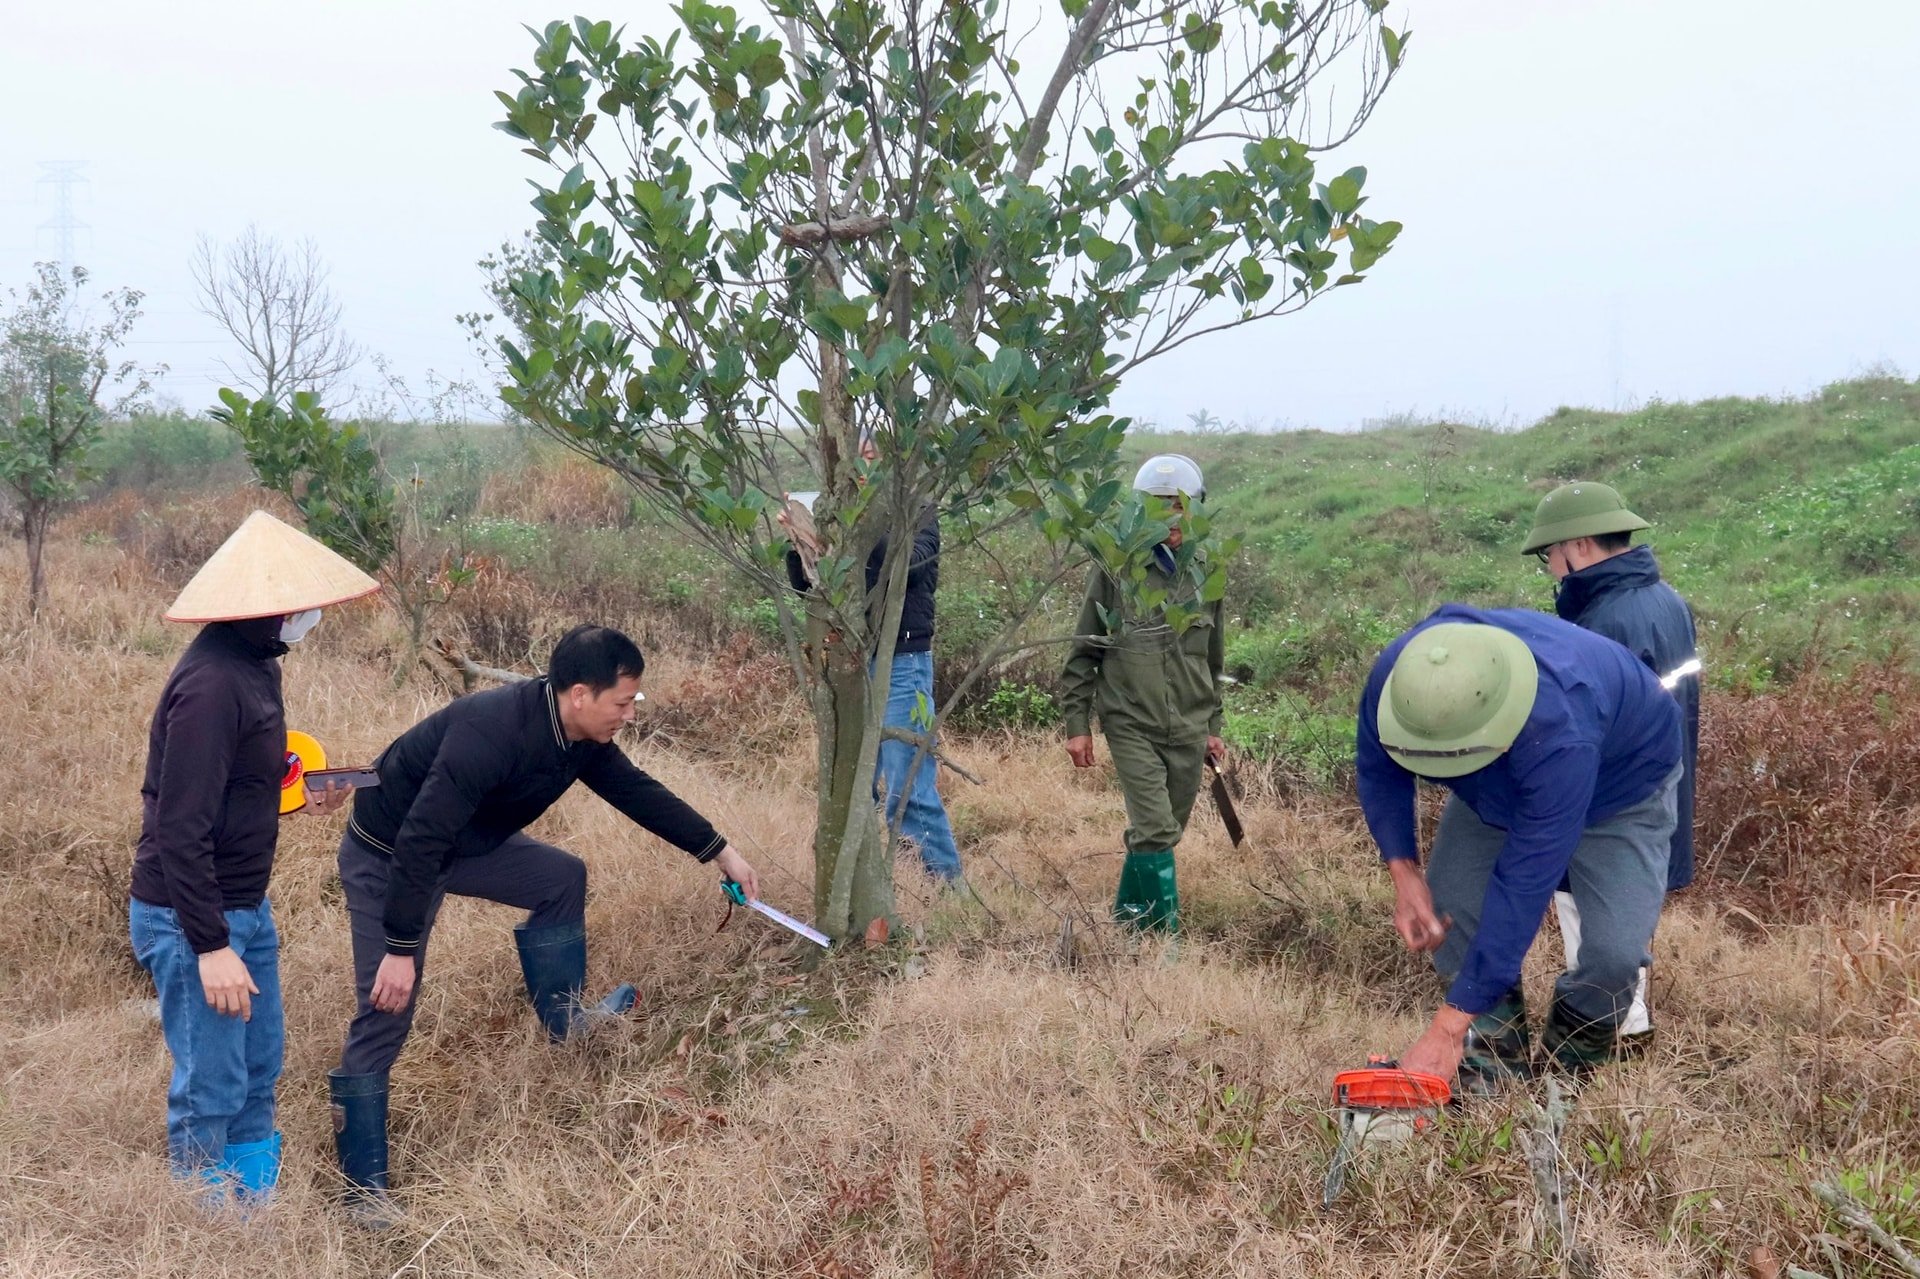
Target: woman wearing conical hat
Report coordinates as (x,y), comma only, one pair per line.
(210,814)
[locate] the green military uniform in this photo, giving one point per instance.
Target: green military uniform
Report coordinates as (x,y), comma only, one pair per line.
(1157,694)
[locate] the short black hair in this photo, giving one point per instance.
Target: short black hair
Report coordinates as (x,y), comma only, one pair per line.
(597,656)
(1611,542)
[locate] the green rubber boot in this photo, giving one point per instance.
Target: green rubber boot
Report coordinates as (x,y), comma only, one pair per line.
(1149,896)
(1574,1044)
(1499,1047)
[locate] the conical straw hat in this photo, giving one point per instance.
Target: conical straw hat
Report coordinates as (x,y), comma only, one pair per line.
(267,569)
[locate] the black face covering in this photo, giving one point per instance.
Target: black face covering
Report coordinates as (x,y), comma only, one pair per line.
(260,635)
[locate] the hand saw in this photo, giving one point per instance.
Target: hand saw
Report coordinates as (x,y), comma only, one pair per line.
(1379,1104)
(738,896)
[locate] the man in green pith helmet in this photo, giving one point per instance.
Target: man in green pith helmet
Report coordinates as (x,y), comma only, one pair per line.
(1562,753)
(1583,535)
(1157,692)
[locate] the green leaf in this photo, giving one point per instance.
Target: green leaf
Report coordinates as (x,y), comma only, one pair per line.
(1343,195)
(765,71)
(1392,44)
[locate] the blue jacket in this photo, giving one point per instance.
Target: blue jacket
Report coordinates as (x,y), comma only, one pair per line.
(1624,599)
(1602,737)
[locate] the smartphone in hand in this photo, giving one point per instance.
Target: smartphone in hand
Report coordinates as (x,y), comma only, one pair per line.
(358,778)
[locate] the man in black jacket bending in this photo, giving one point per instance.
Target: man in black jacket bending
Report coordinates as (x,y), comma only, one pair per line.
(455,792)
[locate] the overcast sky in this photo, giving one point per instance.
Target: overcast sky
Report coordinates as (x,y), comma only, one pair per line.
(1606,201)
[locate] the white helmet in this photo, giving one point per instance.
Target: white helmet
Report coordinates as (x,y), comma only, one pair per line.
(1170,475)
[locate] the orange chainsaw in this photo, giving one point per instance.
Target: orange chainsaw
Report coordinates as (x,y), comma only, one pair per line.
(1380,1104)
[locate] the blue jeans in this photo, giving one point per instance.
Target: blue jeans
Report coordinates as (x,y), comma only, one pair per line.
(224,1069)
(918,811)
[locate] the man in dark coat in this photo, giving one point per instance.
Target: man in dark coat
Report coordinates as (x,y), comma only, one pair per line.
(456,792)
(904,782)
(1582,533)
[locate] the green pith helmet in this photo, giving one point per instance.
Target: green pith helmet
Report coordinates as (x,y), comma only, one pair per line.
(1580,509)
(1457,696)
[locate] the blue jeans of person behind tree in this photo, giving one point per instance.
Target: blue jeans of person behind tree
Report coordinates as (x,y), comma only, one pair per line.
(924,819)
(224,1069)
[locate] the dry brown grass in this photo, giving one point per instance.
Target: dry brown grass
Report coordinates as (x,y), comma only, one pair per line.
(1811,792)
(982,1101)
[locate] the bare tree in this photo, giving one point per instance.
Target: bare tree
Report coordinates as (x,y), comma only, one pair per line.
(276,303)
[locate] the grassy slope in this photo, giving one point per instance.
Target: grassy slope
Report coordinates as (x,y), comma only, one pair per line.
(1164,1113)
(991,1102)
(1793,527)
(1793,507)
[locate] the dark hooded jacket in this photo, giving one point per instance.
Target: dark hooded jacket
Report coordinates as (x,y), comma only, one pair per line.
(210,802)
(923,579)
(1624,599)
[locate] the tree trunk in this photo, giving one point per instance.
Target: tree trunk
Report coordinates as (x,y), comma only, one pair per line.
(853,867)
(34,520)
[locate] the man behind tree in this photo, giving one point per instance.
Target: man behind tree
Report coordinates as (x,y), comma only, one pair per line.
(904,782)
(455,792)
(1583,533)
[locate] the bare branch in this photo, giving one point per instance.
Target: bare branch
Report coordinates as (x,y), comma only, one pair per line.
(841,230)
(277,305)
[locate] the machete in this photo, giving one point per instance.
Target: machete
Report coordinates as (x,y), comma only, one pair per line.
(1223,800)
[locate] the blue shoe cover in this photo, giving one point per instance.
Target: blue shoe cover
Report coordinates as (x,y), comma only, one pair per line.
(255,1166)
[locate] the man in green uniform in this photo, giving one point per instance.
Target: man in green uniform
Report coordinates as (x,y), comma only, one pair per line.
(1157,692)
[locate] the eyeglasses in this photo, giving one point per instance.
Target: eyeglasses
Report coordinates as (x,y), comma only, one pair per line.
(1544,555)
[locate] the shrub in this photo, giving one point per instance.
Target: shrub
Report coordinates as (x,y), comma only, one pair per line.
(164,451)
(1012,706)
(1865,517)
(519,543)
(1811,791)
(1269,656)
(1306,744)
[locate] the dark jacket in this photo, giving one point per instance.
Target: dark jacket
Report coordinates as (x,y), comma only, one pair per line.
(923,579)
(1624,599)
(462,780)
(1602,736)
(210,802)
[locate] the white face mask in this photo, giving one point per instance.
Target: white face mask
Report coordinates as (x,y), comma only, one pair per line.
(294,627)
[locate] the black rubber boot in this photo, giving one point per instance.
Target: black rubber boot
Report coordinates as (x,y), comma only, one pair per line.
(554,963)
(1499,1047)
(1575,1044)
(360,1137)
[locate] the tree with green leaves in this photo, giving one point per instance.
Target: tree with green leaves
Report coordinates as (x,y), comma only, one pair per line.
(56,363)
(332,472)
(935,224)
